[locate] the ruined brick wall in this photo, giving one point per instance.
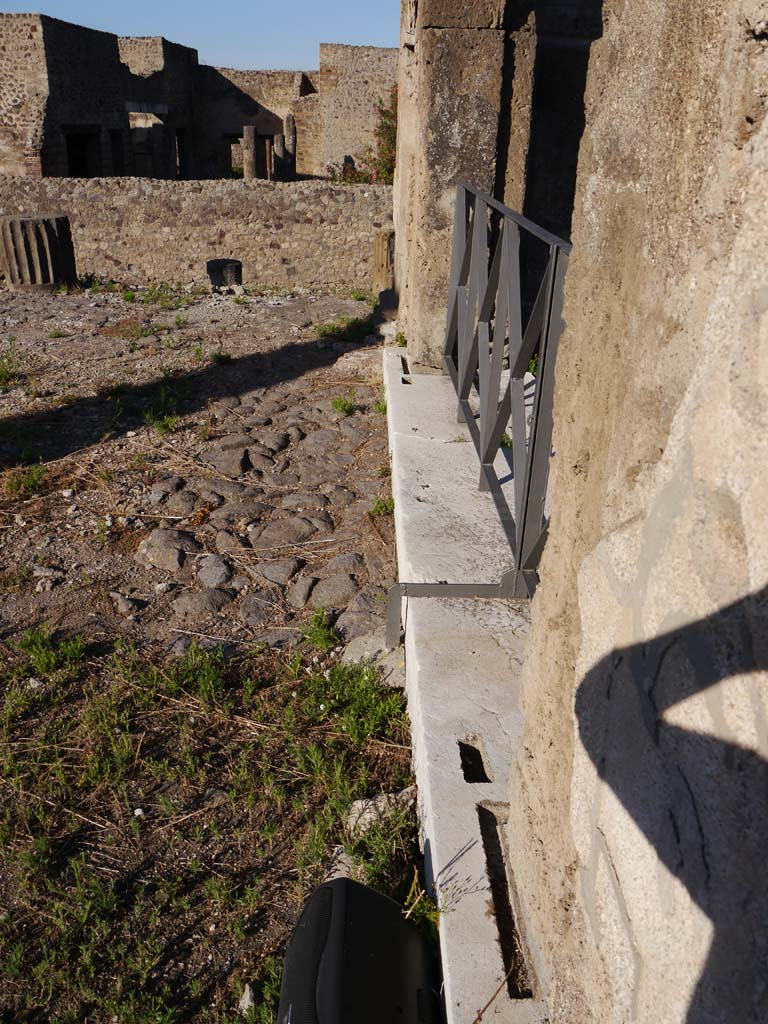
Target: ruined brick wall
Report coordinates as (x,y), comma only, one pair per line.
(639,820)
(351,81)
(302,234)
(85,90)
(23,93)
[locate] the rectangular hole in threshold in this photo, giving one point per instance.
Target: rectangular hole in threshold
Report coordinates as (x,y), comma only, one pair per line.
(472,763)
(518,983)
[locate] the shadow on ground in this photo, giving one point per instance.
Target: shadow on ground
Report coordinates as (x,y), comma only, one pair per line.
(50,434)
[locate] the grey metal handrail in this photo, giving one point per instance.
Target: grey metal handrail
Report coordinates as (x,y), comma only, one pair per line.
(484,331)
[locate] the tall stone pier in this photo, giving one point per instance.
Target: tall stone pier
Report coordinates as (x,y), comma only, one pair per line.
(473,80)
(249,152)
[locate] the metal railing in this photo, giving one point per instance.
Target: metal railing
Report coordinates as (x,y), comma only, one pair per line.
(488,352)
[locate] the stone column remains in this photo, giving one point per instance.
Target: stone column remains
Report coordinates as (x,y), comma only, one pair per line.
(290,146)
(279,158)
(37,252)
(384,261)
(249,152)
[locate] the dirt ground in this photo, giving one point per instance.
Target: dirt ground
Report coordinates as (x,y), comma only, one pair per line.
(195,517)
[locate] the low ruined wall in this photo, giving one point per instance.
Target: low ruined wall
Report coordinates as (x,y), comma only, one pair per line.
(287,235)
(639,817)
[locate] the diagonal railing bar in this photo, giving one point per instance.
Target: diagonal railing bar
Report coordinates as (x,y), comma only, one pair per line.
(484,329)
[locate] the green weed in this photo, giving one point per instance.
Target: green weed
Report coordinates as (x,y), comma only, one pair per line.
(345,405)
(383,507)
(26,481)
(46,655)
(320,633)
(10,364)
(361,295)
(346,329)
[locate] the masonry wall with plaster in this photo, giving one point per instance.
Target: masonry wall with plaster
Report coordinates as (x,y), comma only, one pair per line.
(638,808)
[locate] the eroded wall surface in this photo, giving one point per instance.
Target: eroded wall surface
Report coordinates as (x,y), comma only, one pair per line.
(304,234)
(639,809)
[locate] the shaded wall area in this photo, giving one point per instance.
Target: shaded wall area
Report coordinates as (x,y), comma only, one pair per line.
(639,807)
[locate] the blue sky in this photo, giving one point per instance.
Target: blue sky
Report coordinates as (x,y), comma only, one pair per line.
(238,33)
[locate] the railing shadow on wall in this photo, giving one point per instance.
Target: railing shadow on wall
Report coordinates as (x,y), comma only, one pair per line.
(701,801)
(489,349)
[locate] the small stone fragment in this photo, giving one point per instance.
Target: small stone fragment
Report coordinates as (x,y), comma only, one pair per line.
(228,542)
(280,572)
(213,571)
(126,605)
(166,549)
(200,604)
(350,563)
(364,813)
(334,592)
(257,607)
(285,532)
(230,462)
(304,499)
(298,593)
(247,1003)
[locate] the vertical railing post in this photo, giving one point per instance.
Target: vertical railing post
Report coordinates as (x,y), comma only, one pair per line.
(540,442)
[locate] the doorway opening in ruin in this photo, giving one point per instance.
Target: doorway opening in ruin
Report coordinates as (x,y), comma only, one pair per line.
(83,152)
(183,155)
(117,147)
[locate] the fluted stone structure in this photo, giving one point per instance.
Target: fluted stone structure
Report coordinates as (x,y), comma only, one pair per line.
(37,252)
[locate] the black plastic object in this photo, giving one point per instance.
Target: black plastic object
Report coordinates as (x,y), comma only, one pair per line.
(224,273)
(355,959)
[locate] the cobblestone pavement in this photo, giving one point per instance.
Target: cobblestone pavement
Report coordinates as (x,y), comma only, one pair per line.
(208,472)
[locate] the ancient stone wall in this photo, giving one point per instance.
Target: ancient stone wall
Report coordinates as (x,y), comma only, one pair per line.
(302,234)
(23,93)
(85,94)
(68,94)
(352,80)
(638,810)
